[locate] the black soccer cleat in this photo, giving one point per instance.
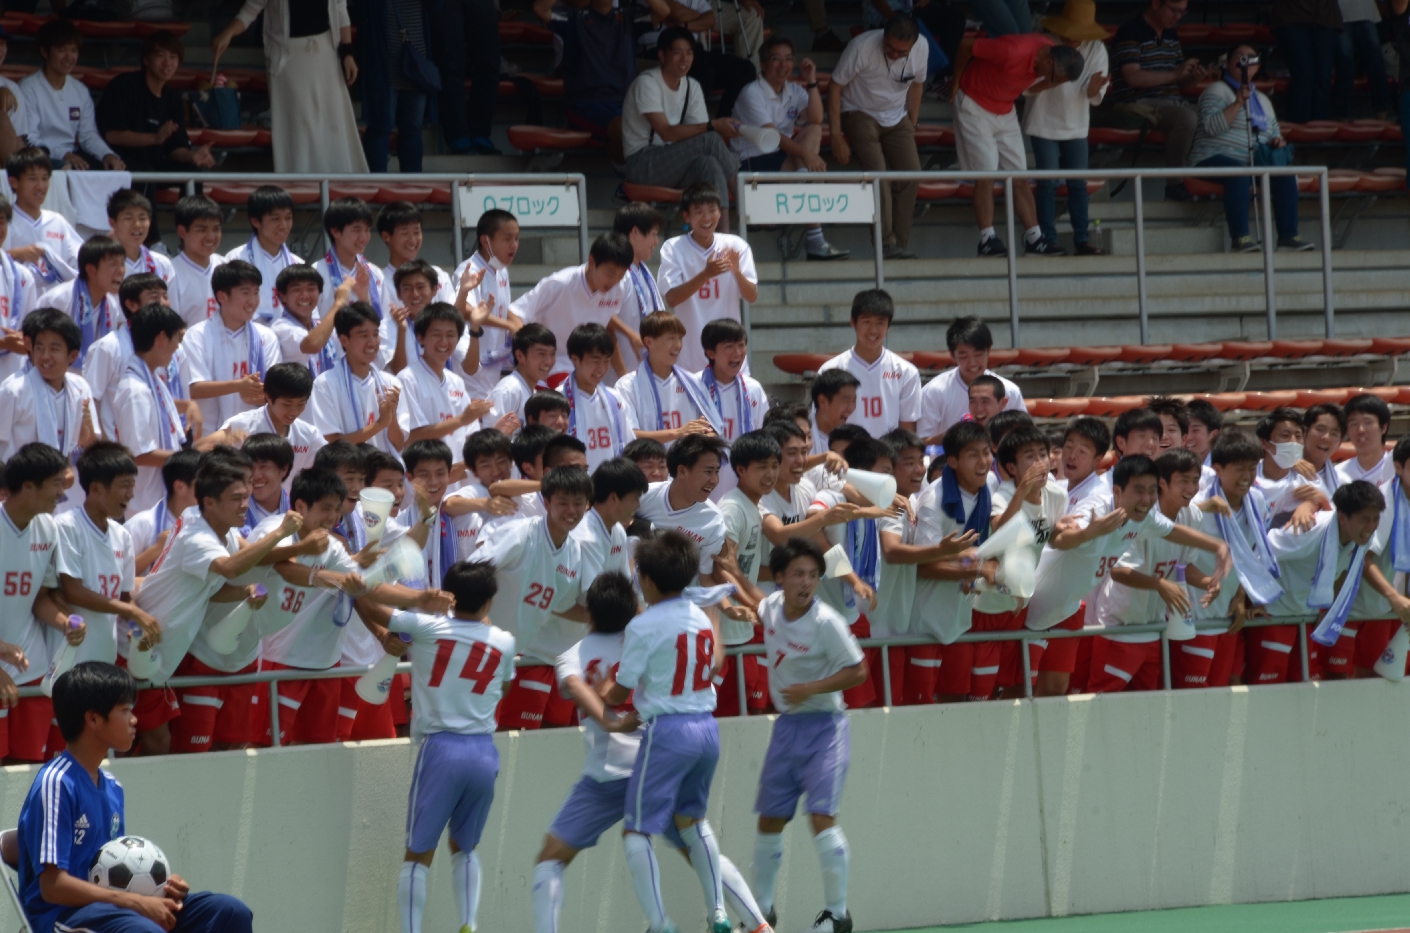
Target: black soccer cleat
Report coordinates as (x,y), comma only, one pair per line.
(827,923)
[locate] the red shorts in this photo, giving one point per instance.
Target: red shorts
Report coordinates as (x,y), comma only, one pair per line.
(956,673)
(986,662)
(215,715)
(308,709)
(896,659)
(533,701)
(914,682)
(867,693)
(1228,660)
(1192,660)
(1058,655)
(155,706)
(756,686)
(1268,653)
(1339,658)
(1371,642)
(1121,665)
(25,728)
(360,721)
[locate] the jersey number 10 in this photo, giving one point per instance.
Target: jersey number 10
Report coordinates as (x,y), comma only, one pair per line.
(700,669)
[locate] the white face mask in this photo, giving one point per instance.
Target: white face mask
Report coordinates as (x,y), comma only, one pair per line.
(496,265)
(1287,455)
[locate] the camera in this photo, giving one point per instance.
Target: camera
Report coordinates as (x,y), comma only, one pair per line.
(1246,61)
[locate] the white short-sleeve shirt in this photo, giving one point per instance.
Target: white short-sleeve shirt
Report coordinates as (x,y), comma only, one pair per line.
(875,85)
(681,260)
(29,558)
(812,647)
(610,756)
(652,663)
(564,300)
(215,353)
(889,392)
(649,94)
(190,292)
(543,579)
(760,105)
(945,400)
(700,522)
(103,559)
(459,669)
(306,439)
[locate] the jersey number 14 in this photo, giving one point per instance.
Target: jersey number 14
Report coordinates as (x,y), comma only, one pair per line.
(479,668)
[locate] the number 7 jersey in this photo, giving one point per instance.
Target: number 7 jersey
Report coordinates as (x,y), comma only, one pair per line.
(667,656)
(458,672)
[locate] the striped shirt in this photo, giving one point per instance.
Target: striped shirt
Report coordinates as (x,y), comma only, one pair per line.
(1137,43)
(1216,136)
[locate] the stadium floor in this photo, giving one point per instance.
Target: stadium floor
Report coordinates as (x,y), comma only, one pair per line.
(1386,914)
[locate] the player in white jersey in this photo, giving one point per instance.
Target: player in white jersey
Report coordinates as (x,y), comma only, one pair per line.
(888,396)
(106,359)
(945,399)
(399,225)
(270,210)
(348,224)
(130,216)
(150,528)
(228,355)
(665,401)
(29,608)
(355,401)
(198,228)
(286,388)
(535,352)
(1084,444)
(146,419)
(737,402)
(812,658)
(434,399)
(641,224)
(617,488)
(305,336)
(834,400)
(42,240)
(460,666)
(18,295)
(1367,424)
(1285,490)
(497,243)
(705,274)
(1323,427)
(596,415)
(788,504)
(683,502)
(592,293)
(91,297)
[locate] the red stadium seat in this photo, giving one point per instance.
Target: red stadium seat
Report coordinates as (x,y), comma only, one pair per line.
(229,139)
(1145,353)
(1115,405)
(1225,401)
(1371,183)
(1195,352)
(1307,133)
(17,72)
(528,138)
(1404,398)
(1267,401)
(1390,346)
(938,190)
(1393,133)
(928,359)
(999,357)
(1039,356)
(196,134)
(1233,32)
(1112,136)
(1245,349)
(112,29)
(142,28)
(1341,179)
(1360,131)
(1308,183)
(440,194)
(931,134)
(1388,394)
(416,194)
(231,193)
(800,363)
(1296,348)
(263,138)
(1309,397)
(1194,32)
(651,193)
(1056,407)
(167,195)
(1200,188)
(1093,356)
(304,192)
(346,190)
(1332,347)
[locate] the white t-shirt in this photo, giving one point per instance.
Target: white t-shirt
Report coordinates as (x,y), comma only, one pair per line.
(644,298)
(681,260)
(562,301)
(1095,484)
(760,105)
(1351,470)
(1043,515)
(105,562)
(179,586)
(342,403)
(701,522)
(28,559)
(30,409)
(874,85)
(303,437)
(601,549)
(145,420)
(599,420)
(649,94)
(1279,494)
(456,687)
(895,583)
(1297,556)
(668,407)
(812,647)
(269,266)
(1204,560)
(304,628)
(383,300)
(889,392)
(538,580)
(428,398)
(69,297)
(1065,112)
(610,756)
(17,298)
(496,353)
(945,400)
(940,608)
(1118,605)
(653,664)
(64,117)
(215,353)
(22,118)
(59,239)
(190,290)
(150,262)
(789,507)
(509,394)
(743,526)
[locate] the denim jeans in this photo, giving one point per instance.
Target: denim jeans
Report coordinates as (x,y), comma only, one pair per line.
(465,43)
(1061,153)
(1236,193)
(1360,44)
(408,113)
(1310,52)
(1003,17)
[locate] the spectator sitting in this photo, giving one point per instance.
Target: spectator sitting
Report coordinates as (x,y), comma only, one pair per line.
(773,100)
(712,68)
(17,125)
(142,117)
(1057,121)
(62,106)
(1360,44)
(667,135)
(873,105)
(1148,71)
(1224,138)
(742,21)
(992,74)
(1308,33)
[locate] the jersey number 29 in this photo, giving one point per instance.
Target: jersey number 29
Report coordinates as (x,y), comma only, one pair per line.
(699,666)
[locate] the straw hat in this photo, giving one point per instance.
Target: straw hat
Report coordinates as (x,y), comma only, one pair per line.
(1078,22)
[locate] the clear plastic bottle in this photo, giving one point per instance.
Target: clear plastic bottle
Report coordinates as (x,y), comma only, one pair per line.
(1097,239)
(1181,627)
(141,664)
(63,660)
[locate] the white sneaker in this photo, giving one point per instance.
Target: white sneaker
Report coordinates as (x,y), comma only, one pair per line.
(827,923)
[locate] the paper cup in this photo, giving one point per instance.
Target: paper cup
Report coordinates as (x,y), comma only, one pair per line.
(377,505)
(837,564)
(877,488)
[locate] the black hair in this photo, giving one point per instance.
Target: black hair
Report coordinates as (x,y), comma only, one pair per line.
(427,449)
(416,267)
(90,687)
(28,158)
(791,550)
(1092,430)
(902,440)
(103,462)
(669,560)
(969,331)
(180,467)
(194,207)
(1203,411)
(152,320)
(961,434)
(313,485)
(1171,407)
(265,200)
(1010,419)
(490,222)
(289,276)
(57,322)
(530,335)
(214,477)
(354,315)
(792,412)
(1401,453)
(1368,404)
(133,286)
(1137,419)
(1132,467)
(785,431)
(271,448)
(829,382)
(1310,417)
(620,477)
(125,198)
(340,454)
(96,249)
(1067,62)
(542,401)
(378,460)
(612,249)
(774,41)
(58,32)
(397,214)
(558,446)
(288,380)
(345,211)
(1016,440)
(864,452)
(485,443)
(1266,424)
(643,218)
(7,210)
(993,382)
(1358,496)
(753,447)
(902,27)
(586,338)
(874,301)
(687,451)
(528,444)
(436,311)
(1232,447)
(1176,460)
(228,456)
(611,602)
(233,273)
(567,481)
(669,36)
(722,330)
(701,194)
(472,583)
(33,463)
(846,433)
(644,448)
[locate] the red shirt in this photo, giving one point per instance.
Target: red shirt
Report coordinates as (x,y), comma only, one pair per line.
(1001,70)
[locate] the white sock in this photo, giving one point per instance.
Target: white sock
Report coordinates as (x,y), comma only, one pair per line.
(834,854)
(548,895)
(986,233)
(646,879)
(1032,234)
(465,869)
(411,895)
(768,859)
(814,236)
(738,896)
(705,859)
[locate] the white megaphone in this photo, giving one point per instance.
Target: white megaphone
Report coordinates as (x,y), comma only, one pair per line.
(765,138)
(403,561)
(1391,664)
(836,563)
(224,635)
(1012,546)
(877,488)
(377,505)
(375,687)
(141,664)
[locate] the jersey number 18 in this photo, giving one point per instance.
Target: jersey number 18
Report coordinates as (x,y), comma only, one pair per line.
(699,667)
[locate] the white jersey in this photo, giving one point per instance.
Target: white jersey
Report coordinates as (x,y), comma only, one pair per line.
(1351,470)
(562,301)
(148,524)
(189,290)
(889,392)
(1118,605)
(788,509)
(529,505)
(667,657)
(945,400)
(1280,494)
(538,580)
(28,560)
(1065,577)
(1298,558)
(602,549)
(895,583)
(59,239)
(509,395)
(429,397)
(451,539)
(18,295)
(940,607)
(145,419)
(682,259)
(104,560)
(269,266)
(470,525)
(343,403)
(1096,484)
(739,407)
(32,410)
(1208,523)
(594,660)
(496,353)
(215,353)
(743,526)
(303,437)
(291,333)
(701,522)
(644,297)
(102,370)
(599,420)
(457,686)
(299,624)
(760,105)
(179,586)
(150,262)
(444,291)
(812,647)
(383,300)
(656,404)
(1043,515)
(104,313)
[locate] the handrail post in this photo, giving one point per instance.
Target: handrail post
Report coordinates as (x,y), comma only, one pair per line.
(581,184)
(1302,649)
(1141,304)
(745,318)
(1325,205)
(743,691)
(1165,662)
(886,676)
(323,200)
(876,233)
(1013,258)
(1265,187)
(274,713)
(457,221)
(1027,665)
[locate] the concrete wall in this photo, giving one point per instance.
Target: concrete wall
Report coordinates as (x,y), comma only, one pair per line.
(955,814)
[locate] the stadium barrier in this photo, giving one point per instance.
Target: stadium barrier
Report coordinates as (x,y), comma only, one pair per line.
(787,198)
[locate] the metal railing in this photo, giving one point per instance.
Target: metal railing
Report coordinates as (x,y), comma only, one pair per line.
(746,180)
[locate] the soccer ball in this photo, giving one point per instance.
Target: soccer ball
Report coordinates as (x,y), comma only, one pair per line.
(131,863)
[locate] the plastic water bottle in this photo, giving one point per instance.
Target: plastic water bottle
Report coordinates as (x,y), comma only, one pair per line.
(142,665)
(225,634)
(1097,239)
(376,685)
(63,660)
(1180,627)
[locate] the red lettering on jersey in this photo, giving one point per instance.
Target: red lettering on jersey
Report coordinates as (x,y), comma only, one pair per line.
(39,548)
(568,572)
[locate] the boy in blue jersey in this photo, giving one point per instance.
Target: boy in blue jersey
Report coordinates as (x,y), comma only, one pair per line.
(74,808)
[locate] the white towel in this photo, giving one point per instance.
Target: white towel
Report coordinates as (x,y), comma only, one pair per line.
(89,193)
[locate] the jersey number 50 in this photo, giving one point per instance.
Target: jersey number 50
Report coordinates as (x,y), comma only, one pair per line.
(699,667)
